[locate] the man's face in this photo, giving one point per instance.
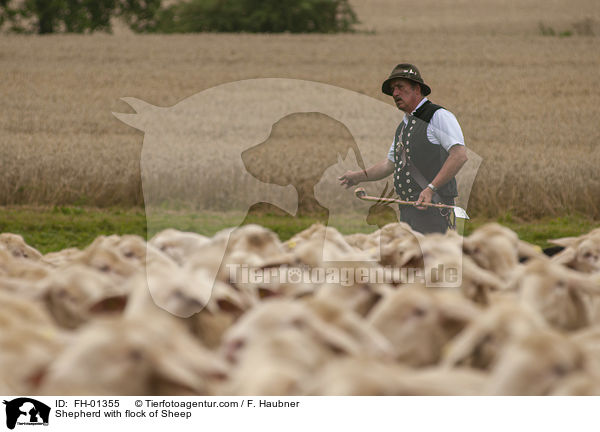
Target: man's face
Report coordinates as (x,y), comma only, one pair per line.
(406,94)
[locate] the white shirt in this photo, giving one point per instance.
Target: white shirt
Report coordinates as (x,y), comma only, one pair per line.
(442,129)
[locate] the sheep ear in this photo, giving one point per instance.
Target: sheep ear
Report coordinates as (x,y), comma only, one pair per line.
(227,305)
(264,293)
(412,259)
(455,308)
(332,337)
(304,294)
(110,304)
(565,257)
(480,275)
(565,241)
(377,297)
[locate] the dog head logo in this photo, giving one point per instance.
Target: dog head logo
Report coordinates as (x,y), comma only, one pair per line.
(26,411)
(220,149)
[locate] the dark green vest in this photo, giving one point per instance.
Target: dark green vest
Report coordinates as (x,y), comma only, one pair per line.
(423,154)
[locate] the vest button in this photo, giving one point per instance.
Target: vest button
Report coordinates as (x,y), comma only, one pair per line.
(407,172)
(409,189)
(407,180)
(414,121)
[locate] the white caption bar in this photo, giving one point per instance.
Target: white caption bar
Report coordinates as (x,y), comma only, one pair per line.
(464,414)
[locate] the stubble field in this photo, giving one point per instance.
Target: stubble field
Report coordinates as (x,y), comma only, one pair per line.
(528,103)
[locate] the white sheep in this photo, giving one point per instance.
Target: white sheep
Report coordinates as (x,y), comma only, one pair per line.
(537,363)
(103,255)
(62,257)
(419,322)
(207,310)
(444,265)
(276,314)
(276,363)
(498,249)
(16,246)
(29,341)
(358,376)
(371,342)
(565,298)
(359,297)
(479,344)
(385,235)
(581,253)
(128,356)
(177,244)
(72,292)
(257,240)
(319,244)
(23,269)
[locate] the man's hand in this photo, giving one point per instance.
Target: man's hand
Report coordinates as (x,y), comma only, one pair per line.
(350,178)
(378,171)
(424,197)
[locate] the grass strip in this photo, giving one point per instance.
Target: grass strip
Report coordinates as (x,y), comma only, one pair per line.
(54,228)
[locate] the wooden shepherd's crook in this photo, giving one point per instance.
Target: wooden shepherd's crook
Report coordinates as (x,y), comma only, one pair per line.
(459,212)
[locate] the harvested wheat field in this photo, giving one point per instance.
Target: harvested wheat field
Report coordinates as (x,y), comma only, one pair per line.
(528,103)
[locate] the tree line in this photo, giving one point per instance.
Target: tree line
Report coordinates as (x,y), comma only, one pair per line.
(185,16)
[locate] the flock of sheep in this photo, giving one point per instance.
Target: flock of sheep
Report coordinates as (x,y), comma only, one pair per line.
(83,322)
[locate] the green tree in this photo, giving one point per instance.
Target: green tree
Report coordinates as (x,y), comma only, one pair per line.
(9,14)
(79,16)
(263,16)
(140,15)
(4,11)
